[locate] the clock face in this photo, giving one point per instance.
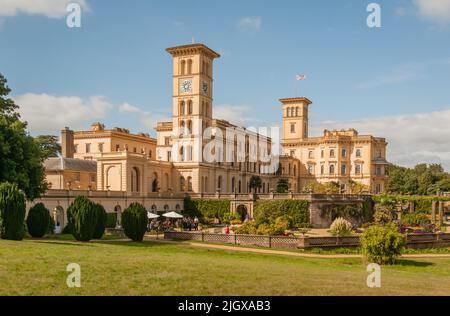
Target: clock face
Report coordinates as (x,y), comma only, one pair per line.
(205,87)
(186,86)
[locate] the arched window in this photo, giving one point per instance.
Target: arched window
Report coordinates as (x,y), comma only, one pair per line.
(233,184)
(189,127)
(296,111)
(154,209)
(358,153)
(295,170)
(331,169)
(239,186)
(134,180)
(183,67)
(189,66)
(322,169)
(182,184)
(288,112)
(182,128)
(189,179)
(182,110)
(190,107)
(207,69)
(219,182)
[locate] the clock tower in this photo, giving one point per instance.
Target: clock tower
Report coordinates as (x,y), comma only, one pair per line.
(192,95)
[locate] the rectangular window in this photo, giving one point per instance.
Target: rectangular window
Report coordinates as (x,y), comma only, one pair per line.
(292,153)
(117,147)
(358,169)
(88,148)
(292,128)
(93,178)
(344,152)
(343,169)
(167,141)
(76,148)
(322,153)
(311,169)
(100,147)
(311,154)
(378,171)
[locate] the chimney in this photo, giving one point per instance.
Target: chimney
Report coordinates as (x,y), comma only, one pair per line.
(67,143)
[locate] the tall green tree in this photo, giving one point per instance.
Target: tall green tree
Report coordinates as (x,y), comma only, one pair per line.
(21,156)
(255,183)
(49,145)
(282,186)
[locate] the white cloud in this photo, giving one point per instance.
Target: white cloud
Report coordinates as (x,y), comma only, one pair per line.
(128,108)
(434,10)
(46,113)
(48,8)
(235,114)
(250,23)
(415,138)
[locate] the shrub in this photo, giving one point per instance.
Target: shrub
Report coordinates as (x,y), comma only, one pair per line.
(382,244)
(295,211)
(206,209)
(12,212)
(416,219)
(101,221)
(38,221)
(67,230)
(384,214)
(51,226)
(236,222)
(248,228)
(341,227)
(135,221)
(111,220)
(82,218)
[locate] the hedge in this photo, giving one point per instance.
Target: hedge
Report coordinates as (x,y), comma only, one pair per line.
(111,220)
(206,209)
(295,211)
(12,212)
(422,203)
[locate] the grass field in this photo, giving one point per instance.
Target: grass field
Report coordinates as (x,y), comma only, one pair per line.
(38,267)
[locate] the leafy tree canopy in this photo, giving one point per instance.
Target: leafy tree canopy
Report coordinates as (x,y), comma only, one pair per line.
(21,156)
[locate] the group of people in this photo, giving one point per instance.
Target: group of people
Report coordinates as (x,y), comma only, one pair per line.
(186,223)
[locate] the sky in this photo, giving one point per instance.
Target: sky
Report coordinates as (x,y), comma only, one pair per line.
(392,81)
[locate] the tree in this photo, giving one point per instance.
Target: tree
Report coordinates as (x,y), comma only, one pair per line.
(38,221)
(82,217)
(49,145)
(101,221)
(282,186)
(357,187)
(255,183)
(12,212)
(20,156)
(135,221)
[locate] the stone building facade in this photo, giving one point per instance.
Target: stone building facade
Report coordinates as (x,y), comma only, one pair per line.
(196,153)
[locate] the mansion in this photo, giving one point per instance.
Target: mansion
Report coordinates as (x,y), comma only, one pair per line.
(197,153)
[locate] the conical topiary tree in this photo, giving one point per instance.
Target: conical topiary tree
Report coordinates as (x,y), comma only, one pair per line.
(135,221)
(82,218)
(38,220)
(101,221)
(12,212)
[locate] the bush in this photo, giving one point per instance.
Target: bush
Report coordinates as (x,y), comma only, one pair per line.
(67,230)
(206,209)
(12,212)
(101,221)
(111,220)
(341,227)
(135,221)
(384,214)
(382,244)
(38,221)
(296,212)
(51,226)
(416,219)
(82,218)
(248,228)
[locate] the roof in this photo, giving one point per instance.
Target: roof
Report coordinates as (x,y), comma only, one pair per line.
(192,48)
(296,100)
(62,163)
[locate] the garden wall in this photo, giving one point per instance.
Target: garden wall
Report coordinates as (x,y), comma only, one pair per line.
(412,241)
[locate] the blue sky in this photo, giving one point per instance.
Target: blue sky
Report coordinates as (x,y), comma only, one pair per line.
(391,81)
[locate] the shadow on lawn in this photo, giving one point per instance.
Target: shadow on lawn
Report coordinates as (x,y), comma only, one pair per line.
(412,263)
(63,242)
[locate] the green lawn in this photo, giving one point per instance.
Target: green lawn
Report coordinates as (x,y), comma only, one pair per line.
(38,267)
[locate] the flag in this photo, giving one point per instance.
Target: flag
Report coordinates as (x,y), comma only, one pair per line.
(300,77)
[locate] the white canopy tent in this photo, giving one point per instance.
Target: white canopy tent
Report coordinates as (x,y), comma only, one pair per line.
(152,215)
(173,215)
